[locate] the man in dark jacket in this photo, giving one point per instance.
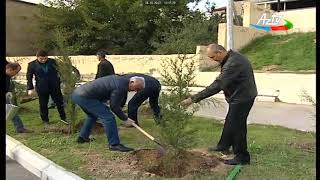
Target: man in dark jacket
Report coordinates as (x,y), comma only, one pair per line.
(47,83)
(151,91)
(13,69)
(91,98)
(237,82)
(105,68)
(77,75)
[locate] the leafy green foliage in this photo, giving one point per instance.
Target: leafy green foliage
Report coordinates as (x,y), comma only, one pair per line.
(178,75)
(18,91)
(67,76)
(120,27)
(196,30)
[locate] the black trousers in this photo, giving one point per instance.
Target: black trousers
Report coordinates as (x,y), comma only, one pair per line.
(57,97)
(235,130)
(139,98)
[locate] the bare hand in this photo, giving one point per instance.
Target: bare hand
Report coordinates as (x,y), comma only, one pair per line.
(30,92)
(186,102)
(128,122)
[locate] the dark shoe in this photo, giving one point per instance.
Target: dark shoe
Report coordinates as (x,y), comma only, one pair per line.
(64,121)
(120,148)
(24,130)
(235,161)
(82,140)
(218,149)
(157,119)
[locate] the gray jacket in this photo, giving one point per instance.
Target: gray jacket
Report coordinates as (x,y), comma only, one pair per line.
(236,80)
(112,87)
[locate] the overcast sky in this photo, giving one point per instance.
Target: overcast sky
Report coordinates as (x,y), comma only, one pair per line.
(201,5)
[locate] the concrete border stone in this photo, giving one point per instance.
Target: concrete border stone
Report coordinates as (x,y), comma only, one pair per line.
(36,163)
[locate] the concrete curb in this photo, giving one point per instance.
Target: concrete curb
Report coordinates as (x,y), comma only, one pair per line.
(35,163)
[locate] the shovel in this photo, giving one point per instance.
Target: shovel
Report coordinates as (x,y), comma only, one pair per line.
(26,99)
(161,148)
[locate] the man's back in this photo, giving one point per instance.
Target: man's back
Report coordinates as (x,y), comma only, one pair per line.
(150,81)
(105,68)
(103,87)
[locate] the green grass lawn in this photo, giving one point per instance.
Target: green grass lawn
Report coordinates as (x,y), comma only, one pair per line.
(293,52)
(277,153)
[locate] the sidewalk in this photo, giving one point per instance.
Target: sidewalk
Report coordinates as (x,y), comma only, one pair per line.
(15,171)
(35,163)
(293,116)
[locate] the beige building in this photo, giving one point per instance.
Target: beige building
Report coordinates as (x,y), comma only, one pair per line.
(20,39)
(301,13)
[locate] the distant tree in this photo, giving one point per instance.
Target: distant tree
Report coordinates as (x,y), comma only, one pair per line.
(196,28)
(120,27)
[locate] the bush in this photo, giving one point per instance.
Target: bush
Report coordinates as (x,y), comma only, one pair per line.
(68,78)
(178,75)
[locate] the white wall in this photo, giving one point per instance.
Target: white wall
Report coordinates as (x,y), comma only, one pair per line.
(303,20)
(290,85)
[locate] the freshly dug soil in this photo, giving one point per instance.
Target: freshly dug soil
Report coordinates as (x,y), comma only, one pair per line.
(309,147)
(56,130)
(150,160)
(97,129)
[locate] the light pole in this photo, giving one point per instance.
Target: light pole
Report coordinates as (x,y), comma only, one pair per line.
(229,25)
(278,6)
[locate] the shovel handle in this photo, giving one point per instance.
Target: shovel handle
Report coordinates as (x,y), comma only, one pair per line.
(141,130)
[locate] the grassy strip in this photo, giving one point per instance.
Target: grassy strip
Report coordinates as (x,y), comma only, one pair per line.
(293,52)
(277,153)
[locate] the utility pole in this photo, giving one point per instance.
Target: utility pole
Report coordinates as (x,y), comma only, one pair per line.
(229,25)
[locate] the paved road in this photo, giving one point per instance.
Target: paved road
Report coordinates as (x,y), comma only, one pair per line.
(293,116)
(15,171)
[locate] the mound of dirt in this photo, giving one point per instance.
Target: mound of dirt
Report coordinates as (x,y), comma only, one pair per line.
(185,163)
(309,147)
(97,129)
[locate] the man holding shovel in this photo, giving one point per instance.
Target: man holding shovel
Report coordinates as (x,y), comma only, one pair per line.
(91,98)
(237,82)
(13,69)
